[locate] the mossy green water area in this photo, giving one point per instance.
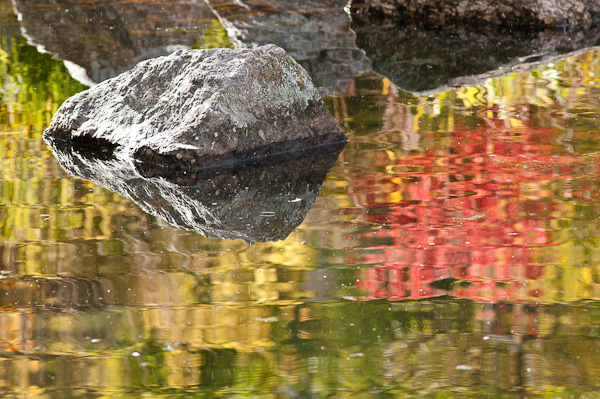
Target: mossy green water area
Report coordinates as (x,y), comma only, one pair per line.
(453,251)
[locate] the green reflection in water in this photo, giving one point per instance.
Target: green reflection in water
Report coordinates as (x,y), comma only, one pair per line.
(33,84)
(475,210)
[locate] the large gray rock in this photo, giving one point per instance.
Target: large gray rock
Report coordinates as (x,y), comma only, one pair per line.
(100,39)
(316,33)
(201,108)
(482,14)
(255,202)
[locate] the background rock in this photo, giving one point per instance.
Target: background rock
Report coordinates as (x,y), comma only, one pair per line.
(483,14)
(317,34)
(100,39)
(201,108)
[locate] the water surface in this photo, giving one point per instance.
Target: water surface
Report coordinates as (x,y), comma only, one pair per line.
(453,251)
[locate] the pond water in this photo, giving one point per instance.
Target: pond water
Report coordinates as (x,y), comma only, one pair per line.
(452,251)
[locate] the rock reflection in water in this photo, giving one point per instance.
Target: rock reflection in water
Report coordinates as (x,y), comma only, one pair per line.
(101,39)
(256,201)
(433,61)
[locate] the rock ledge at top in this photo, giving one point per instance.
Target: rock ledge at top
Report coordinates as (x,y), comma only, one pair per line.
(483,14)
(200,108)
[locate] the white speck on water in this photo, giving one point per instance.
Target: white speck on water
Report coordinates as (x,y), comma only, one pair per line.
(296,200)
(266,319)
(357,354)
(135,354)
(464,367)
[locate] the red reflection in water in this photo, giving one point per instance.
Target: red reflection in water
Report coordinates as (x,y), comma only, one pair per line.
(473,208)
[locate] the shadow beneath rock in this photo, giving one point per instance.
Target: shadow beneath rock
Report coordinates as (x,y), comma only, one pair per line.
(255,201)
(431,61)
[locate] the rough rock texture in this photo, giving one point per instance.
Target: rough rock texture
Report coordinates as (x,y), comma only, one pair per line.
(431,61)
(315,33)
(201,108)
(481,14)
(99,39)
(256,202)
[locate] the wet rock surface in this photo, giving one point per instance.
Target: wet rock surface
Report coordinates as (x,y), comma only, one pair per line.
(430,61)
(317,34)
(199,109)
(483,14)
(100,39)
(255,202)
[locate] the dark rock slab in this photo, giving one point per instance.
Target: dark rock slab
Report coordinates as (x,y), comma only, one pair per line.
(196,109)
(255,201)
(317,34)
(99,39)
(483,14)
(428,61)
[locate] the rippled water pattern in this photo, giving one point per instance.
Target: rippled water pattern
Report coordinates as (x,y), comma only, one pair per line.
(453,252)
